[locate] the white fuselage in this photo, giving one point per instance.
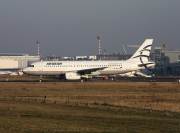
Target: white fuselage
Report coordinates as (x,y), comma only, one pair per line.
(62,67)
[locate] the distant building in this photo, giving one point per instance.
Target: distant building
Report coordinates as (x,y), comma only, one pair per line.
(114,57)
(81,57)
(16,61)
(167,62)
(119,57)
(92,57)
(55,58)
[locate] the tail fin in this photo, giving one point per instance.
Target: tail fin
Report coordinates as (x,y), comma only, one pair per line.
(142,54)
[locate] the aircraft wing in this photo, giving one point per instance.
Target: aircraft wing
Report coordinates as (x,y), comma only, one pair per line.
(90,70)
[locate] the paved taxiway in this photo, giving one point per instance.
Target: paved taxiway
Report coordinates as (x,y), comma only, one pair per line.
(110,79)
(147,79)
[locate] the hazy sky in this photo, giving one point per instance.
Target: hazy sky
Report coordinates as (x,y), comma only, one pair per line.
(70,27)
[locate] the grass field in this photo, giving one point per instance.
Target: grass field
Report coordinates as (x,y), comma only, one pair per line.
(89,107)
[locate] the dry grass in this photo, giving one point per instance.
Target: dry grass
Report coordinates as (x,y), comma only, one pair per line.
(89,107)
(158,96)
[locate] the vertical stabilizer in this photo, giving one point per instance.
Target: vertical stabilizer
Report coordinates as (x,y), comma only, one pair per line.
(142,54)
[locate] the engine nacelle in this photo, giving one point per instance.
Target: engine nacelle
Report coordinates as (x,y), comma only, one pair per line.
(72,76)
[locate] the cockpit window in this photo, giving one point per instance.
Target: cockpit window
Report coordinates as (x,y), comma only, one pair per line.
(30,65)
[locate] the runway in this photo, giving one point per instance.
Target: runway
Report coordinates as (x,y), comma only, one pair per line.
(98,79)
(147,79)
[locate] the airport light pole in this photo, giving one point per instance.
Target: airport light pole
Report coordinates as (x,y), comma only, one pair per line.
(38,49)
(99,46)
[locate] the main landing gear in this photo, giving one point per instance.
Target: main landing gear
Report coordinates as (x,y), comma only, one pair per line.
(85,80)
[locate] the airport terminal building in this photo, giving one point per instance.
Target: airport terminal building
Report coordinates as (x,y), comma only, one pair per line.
(15,61)
(167,62)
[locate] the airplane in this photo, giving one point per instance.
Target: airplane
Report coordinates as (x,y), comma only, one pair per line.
(2,72)
(75,70)
(5,72)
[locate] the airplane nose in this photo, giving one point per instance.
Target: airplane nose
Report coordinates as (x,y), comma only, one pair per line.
(24,70)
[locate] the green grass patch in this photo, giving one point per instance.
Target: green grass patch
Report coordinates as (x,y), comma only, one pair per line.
(37,117)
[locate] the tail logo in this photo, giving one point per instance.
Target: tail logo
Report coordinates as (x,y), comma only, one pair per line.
(143,55)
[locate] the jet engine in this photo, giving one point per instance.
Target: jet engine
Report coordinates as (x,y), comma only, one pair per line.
(72,76)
